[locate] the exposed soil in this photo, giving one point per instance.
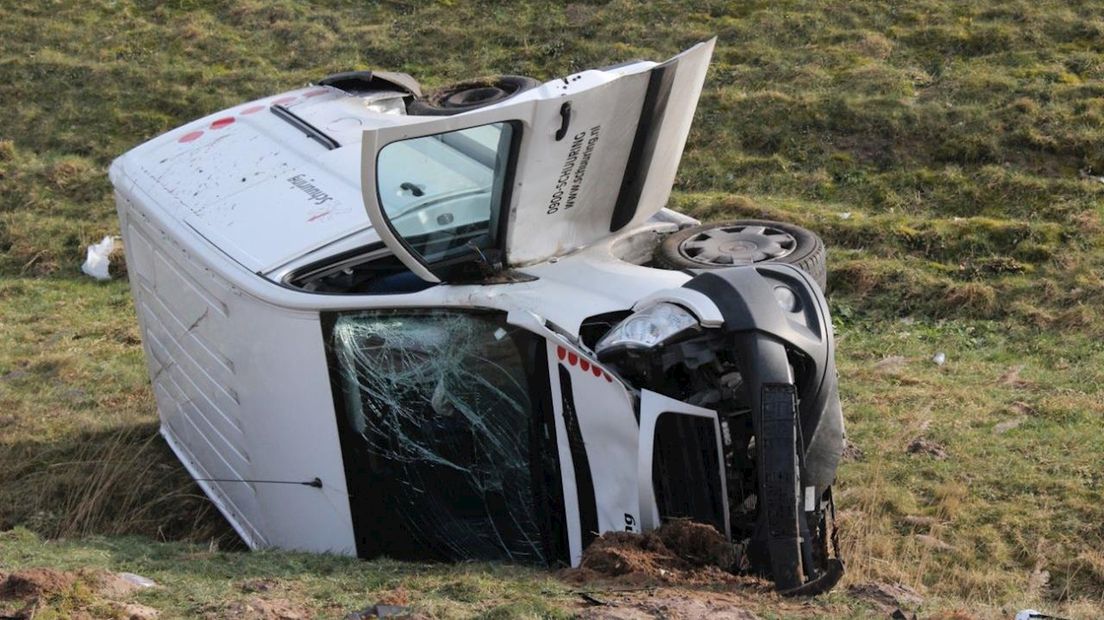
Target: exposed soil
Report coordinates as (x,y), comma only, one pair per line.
(35,582)
(680,552)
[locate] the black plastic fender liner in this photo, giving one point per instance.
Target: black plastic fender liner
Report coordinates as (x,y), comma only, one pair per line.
(745,296)
(774,417)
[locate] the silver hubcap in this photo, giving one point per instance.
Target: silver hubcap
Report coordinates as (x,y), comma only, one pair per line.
(738,245)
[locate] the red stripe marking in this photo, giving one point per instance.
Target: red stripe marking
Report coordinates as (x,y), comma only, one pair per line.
(191,136)
(585,365)
(315,93)
(252,109)
(596,371)
(283,100)
(223,122)
(572,359)
(607,376)
(315,217)
(561,352)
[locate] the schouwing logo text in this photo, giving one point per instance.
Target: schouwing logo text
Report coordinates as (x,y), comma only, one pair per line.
(301,181)
(574,169)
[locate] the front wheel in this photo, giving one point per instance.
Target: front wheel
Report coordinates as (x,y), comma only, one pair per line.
(745,242)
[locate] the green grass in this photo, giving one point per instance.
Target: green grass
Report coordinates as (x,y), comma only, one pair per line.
(947,152)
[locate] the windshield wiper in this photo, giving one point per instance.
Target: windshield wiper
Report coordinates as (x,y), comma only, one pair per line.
(312,132)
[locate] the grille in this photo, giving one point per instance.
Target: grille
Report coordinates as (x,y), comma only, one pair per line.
(686,470)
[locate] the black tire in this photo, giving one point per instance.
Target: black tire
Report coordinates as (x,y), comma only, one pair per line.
(471,95)
(799,247)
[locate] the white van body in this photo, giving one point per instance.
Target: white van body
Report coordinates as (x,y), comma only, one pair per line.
(222,217)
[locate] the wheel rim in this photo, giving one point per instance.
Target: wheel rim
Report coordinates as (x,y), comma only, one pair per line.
(738,245)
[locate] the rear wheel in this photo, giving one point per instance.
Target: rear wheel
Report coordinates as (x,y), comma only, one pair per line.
(471,95)
(745,242)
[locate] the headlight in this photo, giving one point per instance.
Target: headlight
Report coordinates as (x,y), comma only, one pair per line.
(647,328)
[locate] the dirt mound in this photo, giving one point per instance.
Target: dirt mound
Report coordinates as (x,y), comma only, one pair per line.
(34,582)
(697,543)
(679,552)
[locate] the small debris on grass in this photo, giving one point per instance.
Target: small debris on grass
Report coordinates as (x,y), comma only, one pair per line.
(113,585)
(138,580)
(932,542)
(97,261)
(887,597)
(939,358)
(921,445)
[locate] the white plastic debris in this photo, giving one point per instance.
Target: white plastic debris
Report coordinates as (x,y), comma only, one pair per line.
(138,580)
(97,262)
(846,215)
(939,358)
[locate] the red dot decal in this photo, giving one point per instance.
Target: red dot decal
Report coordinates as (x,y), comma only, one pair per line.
(585,365)
(561,352)
(572,359)
(191,136)
(284,100)
(252,109)
(607,376)
(222,122)
(596,371)
(315,93)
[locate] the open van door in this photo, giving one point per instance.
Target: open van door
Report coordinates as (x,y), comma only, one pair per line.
(539,175)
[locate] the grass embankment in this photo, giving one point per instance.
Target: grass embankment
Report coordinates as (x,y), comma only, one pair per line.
(949,153)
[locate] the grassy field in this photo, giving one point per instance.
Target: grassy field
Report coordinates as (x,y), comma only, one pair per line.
(951,155)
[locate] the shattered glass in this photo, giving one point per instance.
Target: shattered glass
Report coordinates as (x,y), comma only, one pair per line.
(441,401)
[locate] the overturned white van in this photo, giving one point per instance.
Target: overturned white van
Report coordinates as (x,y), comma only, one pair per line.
(466,327)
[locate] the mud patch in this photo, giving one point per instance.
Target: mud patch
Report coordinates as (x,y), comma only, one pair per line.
(679,552)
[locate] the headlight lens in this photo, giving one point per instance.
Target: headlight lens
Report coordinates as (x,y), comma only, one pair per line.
(647,328)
